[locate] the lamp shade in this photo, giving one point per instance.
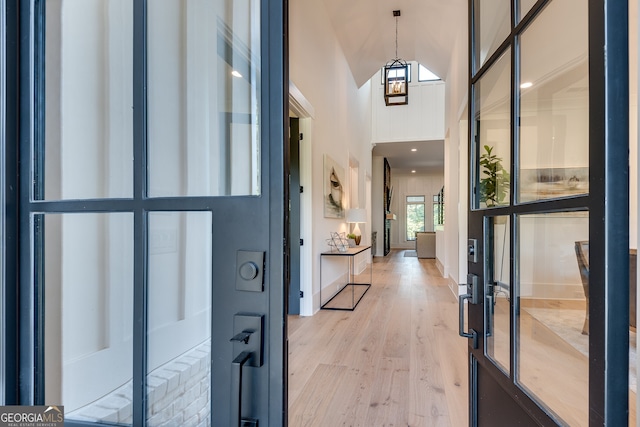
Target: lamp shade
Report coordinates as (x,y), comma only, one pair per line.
(357,215)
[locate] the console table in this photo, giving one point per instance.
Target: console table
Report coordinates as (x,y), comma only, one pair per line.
(348,295)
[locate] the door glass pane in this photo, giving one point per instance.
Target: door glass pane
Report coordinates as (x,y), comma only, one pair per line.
(498,295)
(204,114)
(492,130)
(553,323)
(491,26)
(179,322)
(86,149)
(524,7)
(88,320)
(554,104)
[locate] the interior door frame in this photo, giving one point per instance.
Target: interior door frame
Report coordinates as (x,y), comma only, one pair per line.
(305,112)
(9,199)
(608,206)
(23,331)
(295,220)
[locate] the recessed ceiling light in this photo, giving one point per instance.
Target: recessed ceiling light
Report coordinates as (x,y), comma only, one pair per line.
(413,171)
(526,85)
(414,149)
(235,73)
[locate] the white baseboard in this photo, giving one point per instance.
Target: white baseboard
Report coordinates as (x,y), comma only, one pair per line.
(440,267)
(456,289)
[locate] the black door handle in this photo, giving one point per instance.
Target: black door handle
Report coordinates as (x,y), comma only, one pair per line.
(471,334)
(247,344)
(236,387)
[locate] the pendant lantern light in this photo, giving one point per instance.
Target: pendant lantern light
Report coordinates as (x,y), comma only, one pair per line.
(396,76)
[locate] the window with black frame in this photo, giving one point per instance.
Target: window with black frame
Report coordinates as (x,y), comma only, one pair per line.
(415,216)
(438,210)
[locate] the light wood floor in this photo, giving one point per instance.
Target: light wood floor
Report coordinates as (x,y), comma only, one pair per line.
(397,360)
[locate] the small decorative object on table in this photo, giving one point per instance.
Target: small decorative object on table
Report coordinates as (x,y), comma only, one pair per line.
(356,216)
(338,242)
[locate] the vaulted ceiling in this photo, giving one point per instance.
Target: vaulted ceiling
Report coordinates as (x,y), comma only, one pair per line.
(366,30)
(427,32)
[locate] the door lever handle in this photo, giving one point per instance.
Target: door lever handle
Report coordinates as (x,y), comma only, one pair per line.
(249,348)
(242,337)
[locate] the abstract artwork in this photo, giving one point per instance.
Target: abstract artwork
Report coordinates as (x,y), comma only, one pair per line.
(333,189)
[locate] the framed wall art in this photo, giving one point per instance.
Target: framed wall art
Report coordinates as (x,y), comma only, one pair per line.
(333,189)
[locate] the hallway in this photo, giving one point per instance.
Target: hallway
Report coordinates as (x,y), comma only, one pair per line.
(396,360)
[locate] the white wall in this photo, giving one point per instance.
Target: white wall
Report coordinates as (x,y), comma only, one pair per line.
(341,123)
(426,185)
(422,119)
(456,176)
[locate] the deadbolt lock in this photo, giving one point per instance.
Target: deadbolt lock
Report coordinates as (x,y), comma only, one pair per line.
(250,271)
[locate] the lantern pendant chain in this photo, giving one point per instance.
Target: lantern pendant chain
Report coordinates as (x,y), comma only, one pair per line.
(396,37)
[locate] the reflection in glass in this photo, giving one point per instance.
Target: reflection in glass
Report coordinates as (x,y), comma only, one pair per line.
(491,26)
(554,104)
(88,95)
(524,7)
(498,296)
(552,345)
(88,294)
(204,98)
(179,318)
(492,130)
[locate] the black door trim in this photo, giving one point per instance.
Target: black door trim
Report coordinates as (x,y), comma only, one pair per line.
(10,98)
(609,218)
(607,203)
(25,83)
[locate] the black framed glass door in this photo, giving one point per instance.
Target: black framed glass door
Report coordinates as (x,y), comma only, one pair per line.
(549,213)
(152,210)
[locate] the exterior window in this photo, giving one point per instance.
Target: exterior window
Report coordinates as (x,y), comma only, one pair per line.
(415,216)
(424,75)
(395,73)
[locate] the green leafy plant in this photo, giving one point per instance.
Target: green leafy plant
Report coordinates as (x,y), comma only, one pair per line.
(494,183)
(356,238)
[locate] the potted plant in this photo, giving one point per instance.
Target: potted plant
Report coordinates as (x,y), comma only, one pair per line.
(494,183)
(352,240)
